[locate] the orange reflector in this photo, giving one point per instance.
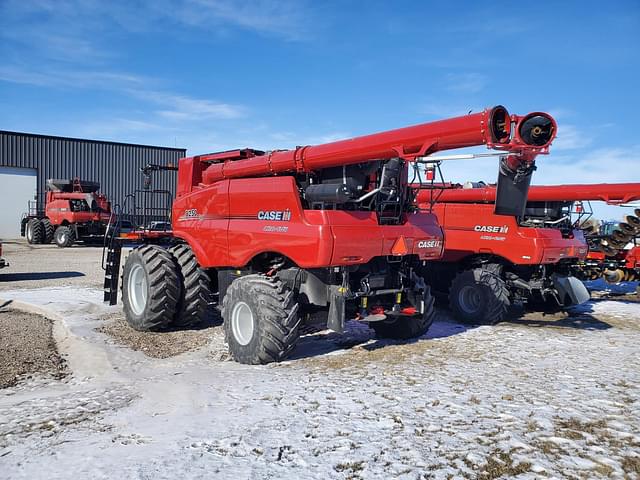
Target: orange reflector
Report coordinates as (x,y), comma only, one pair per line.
(400,247)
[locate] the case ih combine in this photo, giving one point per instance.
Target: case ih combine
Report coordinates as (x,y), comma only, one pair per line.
(320,233)
(73,211)
(492,261)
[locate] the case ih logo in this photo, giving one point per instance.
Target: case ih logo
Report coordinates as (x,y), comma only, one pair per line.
(277,215)
(491,228)
(429,243)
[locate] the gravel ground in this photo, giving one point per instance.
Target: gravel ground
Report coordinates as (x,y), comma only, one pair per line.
(34,266)
(163,344)
(27,348)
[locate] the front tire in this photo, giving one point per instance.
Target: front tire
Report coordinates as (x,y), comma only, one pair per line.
(196,296)
(261,319)
(64,236)
(405,328)
(480,296)
(35,231)
(150,288)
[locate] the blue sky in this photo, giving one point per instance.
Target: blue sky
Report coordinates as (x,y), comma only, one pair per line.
(216,74)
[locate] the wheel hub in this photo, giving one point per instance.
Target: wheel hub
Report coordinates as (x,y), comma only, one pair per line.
(137,287)
(470,299)
(242,323)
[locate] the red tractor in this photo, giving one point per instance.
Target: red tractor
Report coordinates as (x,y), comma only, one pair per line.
(491,262)
(73,211)
(317,234)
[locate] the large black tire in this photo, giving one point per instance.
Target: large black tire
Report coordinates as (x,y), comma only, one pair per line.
(150,288)
(261,319)
(35,231)
(48,230)
(480,296)
(64,236)
(23,226)
(404,327)
(196,296)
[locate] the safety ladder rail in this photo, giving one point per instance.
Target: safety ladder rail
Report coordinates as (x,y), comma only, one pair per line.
(112,271)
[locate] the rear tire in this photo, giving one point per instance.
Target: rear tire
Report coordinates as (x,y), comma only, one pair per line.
(480,296)
(64,236)
(260,320)
(48,230)
(35,231)
(405,328)
(150,288)
(193,306)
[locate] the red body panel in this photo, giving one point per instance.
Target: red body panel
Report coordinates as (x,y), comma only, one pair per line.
(613,193)
(632,257)
(310,238)
(58,209)
(472,229)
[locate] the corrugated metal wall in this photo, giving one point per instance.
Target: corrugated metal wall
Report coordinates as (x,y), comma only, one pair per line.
(115,165)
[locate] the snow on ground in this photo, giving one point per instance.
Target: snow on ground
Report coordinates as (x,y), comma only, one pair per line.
(538,397)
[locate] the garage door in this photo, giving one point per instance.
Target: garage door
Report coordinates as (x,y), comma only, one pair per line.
(17,187)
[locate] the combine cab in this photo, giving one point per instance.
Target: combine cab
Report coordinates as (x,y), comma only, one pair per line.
(73,211)
(318,234)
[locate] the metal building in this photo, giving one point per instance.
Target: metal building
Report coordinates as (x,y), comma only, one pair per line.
(28,160)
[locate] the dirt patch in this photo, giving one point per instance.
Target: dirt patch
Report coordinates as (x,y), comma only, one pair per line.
(631,465)
(500,464)
(27,348)
(162,344)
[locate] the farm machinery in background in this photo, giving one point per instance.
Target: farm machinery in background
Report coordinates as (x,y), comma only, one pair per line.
(613,251)
(318,234)
(535,257)
(491,262)
(73,211)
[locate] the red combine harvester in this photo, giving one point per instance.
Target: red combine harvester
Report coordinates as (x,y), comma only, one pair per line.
(492,261)
(73,211)
(612,254)
(316,234)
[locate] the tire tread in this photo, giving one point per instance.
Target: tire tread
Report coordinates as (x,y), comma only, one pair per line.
(279,314)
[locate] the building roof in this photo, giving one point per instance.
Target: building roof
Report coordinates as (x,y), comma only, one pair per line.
(73,139)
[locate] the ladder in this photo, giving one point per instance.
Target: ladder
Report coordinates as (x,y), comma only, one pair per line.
(112,271)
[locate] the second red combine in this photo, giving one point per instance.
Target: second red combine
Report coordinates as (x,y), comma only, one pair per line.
(322,233)
(494,261)
(73,211)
